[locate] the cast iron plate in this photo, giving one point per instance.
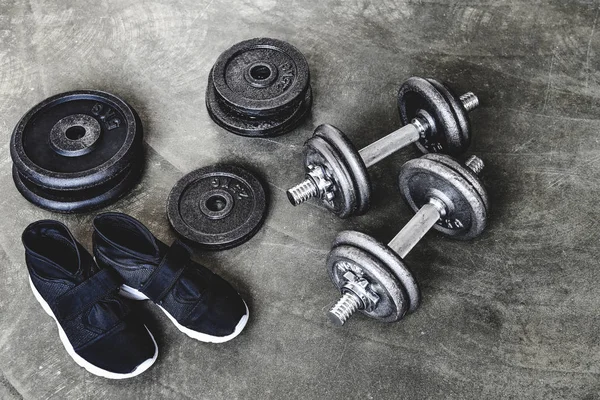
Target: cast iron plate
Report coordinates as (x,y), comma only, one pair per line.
(76,140)
(259,87)
(77,151)
(217,207)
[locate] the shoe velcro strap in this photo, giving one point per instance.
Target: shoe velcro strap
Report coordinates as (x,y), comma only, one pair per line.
(86,294)
(169,271)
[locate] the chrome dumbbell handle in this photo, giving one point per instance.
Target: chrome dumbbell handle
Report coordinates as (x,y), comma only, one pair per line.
(406,135)
(426,218)
(417,227)
(389,144)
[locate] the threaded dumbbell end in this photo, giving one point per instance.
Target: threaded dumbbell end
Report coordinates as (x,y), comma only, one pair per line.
(469,101)
(475,164)
(302,192)
(344,308)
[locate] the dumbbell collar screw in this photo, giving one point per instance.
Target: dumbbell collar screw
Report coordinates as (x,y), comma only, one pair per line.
(469,101)
(361,288)
(315,184)
(324,185)
(356,295)
(475,164)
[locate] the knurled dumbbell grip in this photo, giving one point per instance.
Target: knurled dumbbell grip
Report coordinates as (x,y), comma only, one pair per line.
(415,229)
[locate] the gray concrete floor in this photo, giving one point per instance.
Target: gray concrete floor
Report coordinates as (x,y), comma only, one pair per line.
(513,314)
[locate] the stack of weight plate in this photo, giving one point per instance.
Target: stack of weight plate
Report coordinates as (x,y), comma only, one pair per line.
(77,151)
(259,87)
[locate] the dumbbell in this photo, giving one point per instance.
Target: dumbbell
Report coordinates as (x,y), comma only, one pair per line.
(434,119)
(371,276)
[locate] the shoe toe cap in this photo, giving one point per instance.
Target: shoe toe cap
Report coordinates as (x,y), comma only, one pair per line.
(122,350)
(221,314)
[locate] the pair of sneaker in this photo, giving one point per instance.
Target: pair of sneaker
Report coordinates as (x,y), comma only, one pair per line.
(90,297)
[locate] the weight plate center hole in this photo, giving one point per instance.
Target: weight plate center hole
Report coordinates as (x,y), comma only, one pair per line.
(75,132)
(260,72)
(216,203)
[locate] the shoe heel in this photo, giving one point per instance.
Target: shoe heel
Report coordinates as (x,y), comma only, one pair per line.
(40,299)
(130,293)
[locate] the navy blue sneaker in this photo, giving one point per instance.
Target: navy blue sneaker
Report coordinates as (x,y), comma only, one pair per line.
(94,323)
(200,303)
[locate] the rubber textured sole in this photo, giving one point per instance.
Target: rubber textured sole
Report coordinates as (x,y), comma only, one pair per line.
(91,368)
(134,294)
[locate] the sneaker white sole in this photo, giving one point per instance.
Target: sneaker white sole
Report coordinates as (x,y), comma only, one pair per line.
(80,360)
(134,294)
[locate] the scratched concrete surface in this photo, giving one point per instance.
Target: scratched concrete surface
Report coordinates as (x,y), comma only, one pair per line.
(513,314)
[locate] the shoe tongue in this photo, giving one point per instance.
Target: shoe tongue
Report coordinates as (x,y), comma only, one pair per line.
(125,237)
(57,254)
(161,251)
(87,266)
(78,270)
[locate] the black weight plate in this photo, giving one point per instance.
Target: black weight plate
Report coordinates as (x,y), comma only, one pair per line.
(353,161)
(386,257)
(83,200)
(423,178)
(466,173)
(244,125)
(317,151)
(419,94)
(259,87)
(261,76)
(217,207)
(75,140)
(461,115)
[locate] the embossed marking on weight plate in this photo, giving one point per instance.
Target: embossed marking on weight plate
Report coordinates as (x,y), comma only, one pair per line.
(107,116)
(434,147)
(240,191)
(220,182)
(235,187)
(287,76)
(452,224)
